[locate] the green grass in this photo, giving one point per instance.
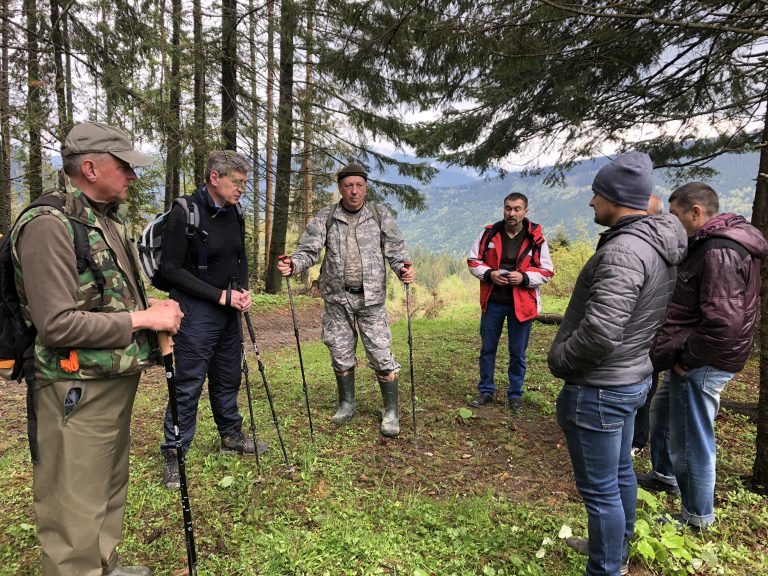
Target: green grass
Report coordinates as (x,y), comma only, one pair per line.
(485,494)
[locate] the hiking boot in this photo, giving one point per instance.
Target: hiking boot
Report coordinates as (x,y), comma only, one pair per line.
(345,382)
(171,471)
(481,400)
(650,482)
(581,546)
(240,443)
(515,405)
(390,418)
(130,571)
(680,524)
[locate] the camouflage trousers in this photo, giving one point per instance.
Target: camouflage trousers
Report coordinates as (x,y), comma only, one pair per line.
(341,323)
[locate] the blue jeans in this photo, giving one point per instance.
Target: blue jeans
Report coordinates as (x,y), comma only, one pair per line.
(491,326)
(208,344)
(687,408)
(598,424)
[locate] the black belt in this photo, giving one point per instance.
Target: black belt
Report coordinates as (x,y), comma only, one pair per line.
(354,289)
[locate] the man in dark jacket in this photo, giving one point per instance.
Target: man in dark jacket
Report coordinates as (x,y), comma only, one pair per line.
(706,338)
(601,351)
(203,270)
(511,259)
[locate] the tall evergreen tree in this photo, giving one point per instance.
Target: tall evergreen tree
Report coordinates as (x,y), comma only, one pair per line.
(5,121)
(173,126)
(229,74)
(288,25)
(199,130)
(35,119)
(269,145)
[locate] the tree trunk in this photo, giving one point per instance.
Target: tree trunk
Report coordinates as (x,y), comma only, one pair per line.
(5,123)
(173,127)
(229,74)
(269,146)
(760,220)
(67,66)
(199,132)
(284,142)
(34,175)
(307,164)
(109,103)
(57,39)
(308,135)
(256,260)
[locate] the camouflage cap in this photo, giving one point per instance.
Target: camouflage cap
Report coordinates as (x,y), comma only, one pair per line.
(99,137)
(352,170)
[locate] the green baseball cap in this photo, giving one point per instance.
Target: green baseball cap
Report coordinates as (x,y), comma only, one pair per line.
(99,137)
(352,170)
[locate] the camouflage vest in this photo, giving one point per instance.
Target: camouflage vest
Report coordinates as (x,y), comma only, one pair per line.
(89,363)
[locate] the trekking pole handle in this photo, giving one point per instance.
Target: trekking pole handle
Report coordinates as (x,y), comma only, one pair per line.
(166,343)
(406,265)
(249,325)
(286,257)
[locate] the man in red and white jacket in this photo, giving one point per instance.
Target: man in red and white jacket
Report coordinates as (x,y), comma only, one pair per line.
(511,259)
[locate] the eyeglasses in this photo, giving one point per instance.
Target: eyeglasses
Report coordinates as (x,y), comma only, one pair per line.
(238,182)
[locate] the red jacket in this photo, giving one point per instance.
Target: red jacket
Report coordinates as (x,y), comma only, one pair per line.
(533,261)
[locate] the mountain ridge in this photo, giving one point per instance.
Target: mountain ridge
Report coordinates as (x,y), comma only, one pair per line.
(456,214)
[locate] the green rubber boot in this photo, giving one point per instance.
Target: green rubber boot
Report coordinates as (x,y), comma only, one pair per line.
(345,381)
(390,417)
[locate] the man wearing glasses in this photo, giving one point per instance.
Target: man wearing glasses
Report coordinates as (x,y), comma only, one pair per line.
(203,269)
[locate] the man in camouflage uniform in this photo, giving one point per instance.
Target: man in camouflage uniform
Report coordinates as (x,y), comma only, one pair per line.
(93,341)
(357,237)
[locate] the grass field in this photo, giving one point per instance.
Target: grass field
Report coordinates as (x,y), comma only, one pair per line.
(479,492)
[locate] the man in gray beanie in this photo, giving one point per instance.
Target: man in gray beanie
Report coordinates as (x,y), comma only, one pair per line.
(359,237)
(601,351)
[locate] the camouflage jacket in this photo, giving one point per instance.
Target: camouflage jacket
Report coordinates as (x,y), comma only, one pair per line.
(106,322)
(375,245)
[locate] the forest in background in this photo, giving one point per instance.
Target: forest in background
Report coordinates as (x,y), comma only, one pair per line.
(303,86)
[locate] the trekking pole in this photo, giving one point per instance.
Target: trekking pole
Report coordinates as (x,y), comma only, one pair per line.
(252,334)
(166,348)
(298,347)
(236,286)
(410,352)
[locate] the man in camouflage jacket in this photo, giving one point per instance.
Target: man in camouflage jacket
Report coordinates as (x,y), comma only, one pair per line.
(91,346)
(358,237)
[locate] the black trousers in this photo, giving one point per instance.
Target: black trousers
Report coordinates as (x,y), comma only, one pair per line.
(208,343)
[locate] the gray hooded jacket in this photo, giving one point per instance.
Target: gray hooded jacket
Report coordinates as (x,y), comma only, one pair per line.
(618,303)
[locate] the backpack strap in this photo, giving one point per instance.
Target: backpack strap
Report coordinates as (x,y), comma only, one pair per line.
(329,221)
(194,224)
(488,233)
(82,248)
(376,218)
(241,220)
(84,257)
(711,243)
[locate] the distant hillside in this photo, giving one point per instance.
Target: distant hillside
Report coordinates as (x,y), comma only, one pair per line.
(456,213)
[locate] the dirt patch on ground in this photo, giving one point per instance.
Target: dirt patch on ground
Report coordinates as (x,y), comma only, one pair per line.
(275,328)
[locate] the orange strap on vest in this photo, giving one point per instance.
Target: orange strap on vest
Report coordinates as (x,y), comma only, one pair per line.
(71,364)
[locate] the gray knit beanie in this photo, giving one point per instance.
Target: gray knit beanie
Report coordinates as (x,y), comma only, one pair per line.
(352,170)
(626,181)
